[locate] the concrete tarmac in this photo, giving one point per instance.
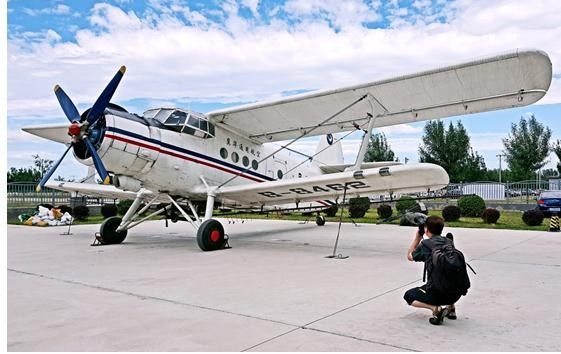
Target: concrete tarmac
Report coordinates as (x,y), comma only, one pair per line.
(273,291)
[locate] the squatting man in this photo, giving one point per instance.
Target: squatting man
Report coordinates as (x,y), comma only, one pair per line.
(426,296)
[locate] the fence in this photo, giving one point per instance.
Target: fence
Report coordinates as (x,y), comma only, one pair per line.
(24,194)
(515,192)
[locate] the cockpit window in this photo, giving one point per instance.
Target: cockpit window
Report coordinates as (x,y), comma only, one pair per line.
(177,119)
(186,122)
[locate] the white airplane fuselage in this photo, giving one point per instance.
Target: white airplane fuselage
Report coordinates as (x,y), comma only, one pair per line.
(160,159)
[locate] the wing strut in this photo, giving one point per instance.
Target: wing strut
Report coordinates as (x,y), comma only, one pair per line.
(367,133)
(302,135)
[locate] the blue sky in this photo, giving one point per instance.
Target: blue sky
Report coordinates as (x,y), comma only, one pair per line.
(210,54)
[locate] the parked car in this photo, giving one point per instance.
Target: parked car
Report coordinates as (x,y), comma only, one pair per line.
(549,202)
(512,193)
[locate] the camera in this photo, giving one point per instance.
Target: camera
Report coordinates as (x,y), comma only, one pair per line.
(422,229)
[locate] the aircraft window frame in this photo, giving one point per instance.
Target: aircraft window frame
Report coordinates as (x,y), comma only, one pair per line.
(245,161)
(224,153)
(235,157)
(255,165)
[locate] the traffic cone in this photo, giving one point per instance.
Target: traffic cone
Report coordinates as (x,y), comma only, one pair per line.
(554,223)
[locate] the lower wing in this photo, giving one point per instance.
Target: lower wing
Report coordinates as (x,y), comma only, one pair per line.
(400,178)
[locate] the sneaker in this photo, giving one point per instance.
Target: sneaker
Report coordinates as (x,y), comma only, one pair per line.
(438,315)
(451,312)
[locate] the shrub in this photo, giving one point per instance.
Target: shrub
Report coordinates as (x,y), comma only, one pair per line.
(532,217)
(108,210)
(65,209)
(358,207)
(332,211)
(123,206)
(471,205)
(405,203)
(81,212)
(490,216)
(451,213)
(384,211)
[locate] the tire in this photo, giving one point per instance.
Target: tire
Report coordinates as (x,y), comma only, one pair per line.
(320,220)
(210,236)
(108,232)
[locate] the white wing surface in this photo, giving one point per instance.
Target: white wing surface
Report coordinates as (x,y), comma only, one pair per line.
(96,190)
(509,80)
(399,178)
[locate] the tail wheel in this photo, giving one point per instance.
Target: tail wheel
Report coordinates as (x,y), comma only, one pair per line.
(210,236)
(108,231)
(320,220)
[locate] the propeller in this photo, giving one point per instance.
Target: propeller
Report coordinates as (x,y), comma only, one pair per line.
(81,129)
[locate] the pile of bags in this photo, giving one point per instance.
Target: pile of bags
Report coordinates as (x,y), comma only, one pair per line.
(46,217)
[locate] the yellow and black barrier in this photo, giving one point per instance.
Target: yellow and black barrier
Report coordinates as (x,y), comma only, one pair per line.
(554,223)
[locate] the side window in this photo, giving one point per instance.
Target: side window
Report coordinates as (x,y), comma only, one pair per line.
(224,153)
(279,174)
(235,157)
(255,165)
(245,161)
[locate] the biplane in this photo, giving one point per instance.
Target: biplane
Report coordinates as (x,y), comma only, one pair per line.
(186,161)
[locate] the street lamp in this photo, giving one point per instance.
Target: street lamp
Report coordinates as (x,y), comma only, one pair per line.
(500,156)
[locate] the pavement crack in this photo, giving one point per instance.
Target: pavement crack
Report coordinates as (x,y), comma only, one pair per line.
(360,339)
(149,297)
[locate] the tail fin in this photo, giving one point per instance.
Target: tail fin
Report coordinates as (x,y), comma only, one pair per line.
(333,153)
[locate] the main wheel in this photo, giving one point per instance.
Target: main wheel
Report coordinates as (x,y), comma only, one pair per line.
(320,220)
(210,236)
(108,231)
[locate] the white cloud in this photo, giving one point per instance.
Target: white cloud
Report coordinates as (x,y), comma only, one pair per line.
(60,9)
(239,60)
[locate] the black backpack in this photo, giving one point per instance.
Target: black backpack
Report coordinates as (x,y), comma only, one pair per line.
(448,270)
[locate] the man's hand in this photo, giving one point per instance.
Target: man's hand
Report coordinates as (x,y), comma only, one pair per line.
(418,238)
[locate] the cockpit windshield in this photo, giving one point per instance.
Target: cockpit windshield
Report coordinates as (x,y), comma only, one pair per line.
(182,121)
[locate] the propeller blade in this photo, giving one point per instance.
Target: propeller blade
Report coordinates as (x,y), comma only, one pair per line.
(97,162)
(49,173)
(103,100)
(67,105)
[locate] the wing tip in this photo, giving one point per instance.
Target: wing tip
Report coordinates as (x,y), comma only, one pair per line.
(122,69)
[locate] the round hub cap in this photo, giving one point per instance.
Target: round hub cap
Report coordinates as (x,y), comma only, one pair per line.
(215,235)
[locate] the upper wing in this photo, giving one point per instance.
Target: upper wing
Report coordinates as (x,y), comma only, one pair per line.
(510,80)
(399,178)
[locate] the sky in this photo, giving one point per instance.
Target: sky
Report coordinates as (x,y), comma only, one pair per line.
(204,55)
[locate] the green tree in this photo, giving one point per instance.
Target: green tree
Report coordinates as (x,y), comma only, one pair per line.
(527,147)
(30,174)
(450,148)
(556,148)
(379,149)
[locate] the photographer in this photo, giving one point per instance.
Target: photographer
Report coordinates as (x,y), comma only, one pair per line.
(420,251)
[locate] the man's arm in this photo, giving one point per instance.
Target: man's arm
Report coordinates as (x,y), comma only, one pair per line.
(414,245)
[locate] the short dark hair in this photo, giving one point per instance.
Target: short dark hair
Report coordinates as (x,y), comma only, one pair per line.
(435,224)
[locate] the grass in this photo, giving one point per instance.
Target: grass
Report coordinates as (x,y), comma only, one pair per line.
(509,220)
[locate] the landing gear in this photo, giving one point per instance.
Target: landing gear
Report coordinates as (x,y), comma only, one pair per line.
(210,235)
(108,231)
(320,220)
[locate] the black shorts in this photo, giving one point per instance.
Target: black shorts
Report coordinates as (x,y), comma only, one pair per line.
(427,296)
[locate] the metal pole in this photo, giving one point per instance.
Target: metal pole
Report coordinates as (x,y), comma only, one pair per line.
(500,165)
